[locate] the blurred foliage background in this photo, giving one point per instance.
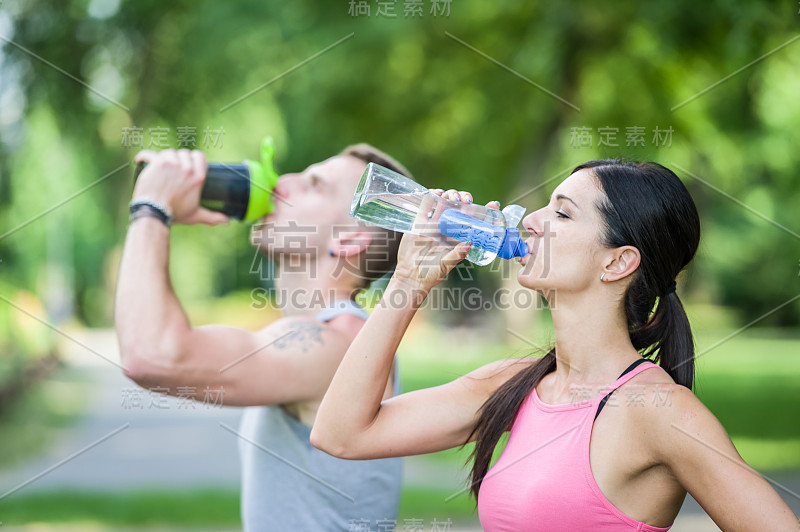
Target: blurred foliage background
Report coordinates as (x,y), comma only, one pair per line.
(502,99)
(420,87)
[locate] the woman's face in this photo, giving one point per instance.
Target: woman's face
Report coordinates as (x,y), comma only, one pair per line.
(565,238)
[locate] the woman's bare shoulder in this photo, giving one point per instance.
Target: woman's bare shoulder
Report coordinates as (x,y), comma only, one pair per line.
(650,388)
(657,375)
(659,401)
(493,375)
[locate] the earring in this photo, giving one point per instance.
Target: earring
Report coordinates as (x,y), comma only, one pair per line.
(331,252)
(603,276)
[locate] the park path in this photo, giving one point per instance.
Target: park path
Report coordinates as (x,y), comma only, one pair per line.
(130,439)
(150,440)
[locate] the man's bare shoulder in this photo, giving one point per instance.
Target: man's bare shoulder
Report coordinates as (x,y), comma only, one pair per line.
(302,334)
(347,324)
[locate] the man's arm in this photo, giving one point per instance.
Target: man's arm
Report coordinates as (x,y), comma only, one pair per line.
(293,359)
(290,360)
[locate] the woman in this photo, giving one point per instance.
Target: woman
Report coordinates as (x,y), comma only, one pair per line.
(618,234)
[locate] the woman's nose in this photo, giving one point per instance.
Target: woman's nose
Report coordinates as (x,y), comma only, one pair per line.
(532,223)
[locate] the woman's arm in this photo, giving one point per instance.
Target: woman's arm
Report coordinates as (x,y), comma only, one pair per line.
(352,422)
(696,448)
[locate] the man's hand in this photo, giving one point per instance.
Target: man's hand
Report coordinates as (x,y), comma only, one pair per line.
(175,179)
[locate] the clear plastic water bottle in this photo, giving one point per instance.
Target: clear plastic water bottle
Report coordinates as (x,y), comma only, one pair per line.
(392,201)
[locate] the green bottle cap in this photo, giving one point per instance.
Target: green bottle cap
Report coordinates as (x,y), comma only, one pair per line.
(263,179)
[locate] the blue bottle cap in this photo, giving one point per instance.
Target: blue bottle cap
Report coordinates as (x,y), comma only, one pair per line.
(513,245)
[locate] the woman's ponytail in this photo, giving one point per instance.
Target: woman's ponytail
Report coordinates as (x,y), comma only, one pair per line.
(667,339)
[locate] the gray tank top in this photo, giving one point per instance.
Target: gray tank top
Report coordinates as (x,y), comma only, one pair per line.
(288,485)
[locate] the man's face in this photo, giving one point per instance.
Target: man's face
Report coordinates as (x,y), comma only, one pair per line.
(310,207)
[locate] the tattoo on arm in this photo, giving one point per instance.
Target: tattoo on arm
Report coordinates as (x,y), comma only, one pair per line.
(302,334)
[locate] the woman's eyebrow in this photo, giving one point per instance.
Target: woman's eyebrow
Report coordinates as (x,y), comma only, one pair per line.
(563,197)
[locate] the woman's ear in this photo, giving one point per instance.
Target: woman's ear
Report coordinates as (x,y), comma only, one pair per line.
(622,263)
(351,243)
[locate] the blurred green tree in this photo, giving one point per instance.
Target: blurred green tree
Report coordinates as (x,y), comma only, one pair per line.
(499,99)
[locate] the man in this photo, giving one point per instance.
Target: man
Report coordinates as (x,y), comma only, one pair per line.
(283,370)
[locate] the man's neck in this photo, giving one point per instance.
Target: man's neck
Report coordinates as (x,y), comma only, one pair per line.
(309,288)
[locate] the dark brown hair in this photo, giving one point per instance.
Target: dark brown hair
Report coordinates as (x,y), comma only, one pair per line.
(645,205)
(381,255)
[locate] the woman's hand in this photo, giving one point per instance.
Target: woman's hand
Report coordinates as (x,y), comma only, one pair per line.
(175,179)
(423,259)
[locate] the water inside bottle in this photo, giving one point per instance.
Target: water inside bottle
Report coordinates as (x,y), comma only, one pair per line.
(398,212)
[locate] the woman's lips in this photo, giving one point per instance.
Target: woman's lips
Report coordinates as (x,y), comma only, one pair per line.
(524,260)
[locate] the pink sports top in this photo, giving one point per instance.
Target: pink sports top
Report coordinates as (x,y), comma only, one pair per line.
(543,481)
